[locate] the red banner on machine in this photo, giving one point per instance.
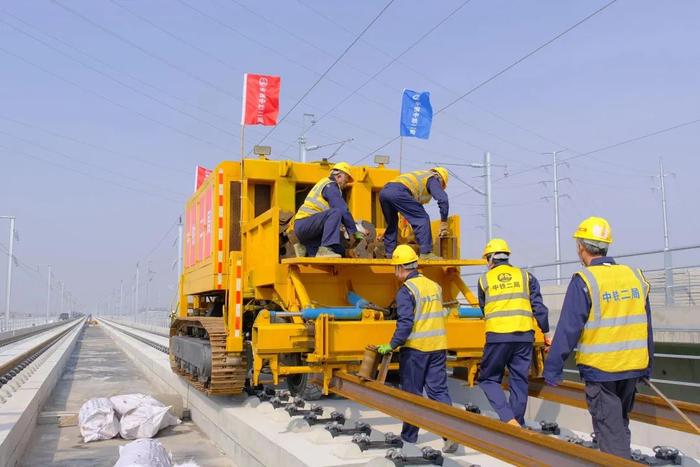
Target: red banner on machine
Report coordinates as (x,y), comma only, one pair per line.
(261,99)
(201,173)
(199,228)
(204,206)
(190,234)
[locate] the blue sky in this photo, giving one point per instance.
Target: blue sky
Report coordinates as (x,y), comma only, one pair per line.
(107,106)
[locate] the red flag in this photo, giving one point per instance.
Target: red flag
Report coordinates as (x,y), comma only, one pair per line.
(261,99)
(201,173)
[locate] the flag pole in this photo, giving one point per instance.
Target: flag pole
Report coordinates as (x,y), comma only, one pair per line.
(242,141)
(400,152)
(243,108)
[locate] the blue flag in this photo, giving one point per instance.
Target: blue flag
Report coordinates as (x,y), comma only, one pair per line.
(416,114)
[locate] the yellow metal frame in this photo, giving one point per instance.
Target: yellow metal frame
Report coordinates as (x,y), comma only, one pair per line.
(340,344)
(380,262)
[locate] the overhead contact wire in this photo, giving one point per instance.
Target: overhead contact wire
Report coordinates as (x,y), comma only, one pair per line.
(503,70)
(332,65)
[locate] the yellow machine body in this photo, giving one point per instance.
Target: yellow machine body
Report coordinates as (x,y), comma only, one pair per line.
(234,265)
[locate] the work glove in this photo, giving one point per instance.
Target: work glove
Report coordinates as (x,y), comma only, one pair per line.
(384,349)
(361,228)
(444,230)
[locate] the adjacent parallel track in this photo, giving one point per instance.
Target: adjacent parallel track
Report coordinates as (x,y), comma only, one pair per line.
(647,409)
(26,333)
(10,368)
(120,327)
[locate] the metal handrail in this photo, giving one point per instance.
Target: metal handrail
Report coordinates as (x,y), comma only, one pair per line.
(622,255)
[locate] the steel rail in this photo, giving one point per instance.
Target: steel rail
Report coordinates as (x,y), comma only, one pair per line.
(120,328)
(492,437)
(647,409)
(7,368)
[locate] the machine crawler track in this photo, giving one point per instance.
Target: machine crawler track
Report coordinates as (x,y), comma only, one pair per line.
(227,375)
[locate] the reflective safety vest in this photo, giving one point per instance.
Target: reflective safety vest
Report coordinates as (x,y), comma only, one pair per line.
(615,336)
(314,202)
(507,306)
(428,333)
(417,183)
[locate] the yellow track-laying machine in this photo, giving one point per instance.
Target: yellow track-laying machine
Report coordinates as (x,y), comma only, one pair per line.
(248,310)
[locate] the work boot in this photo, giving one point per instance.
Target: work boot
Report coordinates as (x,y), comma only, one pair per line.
(429,256)
(449,447)
(299,250)
(325,252)
(513,422)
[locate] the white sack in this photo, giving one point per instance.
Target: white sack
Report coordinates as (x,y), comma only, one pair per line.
(143,453)
(97,420)
(126,402)
(146,421)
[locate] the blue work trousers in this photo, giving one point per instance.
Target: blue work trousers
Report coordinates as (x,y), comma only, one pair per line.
(423,370)
(395,198)
(516,356)
(322,229)
(609,404)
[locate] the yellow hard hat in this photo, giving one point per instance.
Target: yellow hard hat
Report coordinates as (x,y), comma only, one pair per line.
(496,245)
(343,167)
(594,228)
(443,175)
(403,254)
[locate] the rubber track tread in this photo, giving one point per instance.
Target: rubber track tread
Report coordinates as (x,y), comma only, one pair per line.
(226,379)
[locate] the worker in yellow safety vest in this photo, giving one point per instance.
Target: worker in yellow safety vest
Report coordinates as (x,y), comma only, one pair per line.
(606,314)
(512,302)
(317,222)
(407,194)
(420,332)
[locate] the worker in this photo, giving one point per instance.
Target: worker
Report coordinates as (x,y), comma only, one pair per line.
(406,194)
(510,298)
(317,222)
(420,332)
(606,314)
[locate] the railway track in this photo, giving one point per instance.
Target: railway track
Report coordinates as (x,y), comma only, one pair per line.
(160,344)
(648,409)
(505,442)
(11,366)
(483,434)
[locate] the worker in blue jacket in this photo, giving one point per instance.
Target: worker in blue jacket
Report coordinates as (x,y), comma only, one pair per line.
(407,194)
(510,298)
(317,222)
(421,334)
(606,314)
